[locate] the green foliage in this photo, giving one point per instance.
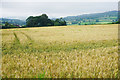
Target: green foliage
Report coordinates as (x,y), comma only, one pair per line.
(41,75)
(56,24)
(8,25)
(117,22)
(43,20)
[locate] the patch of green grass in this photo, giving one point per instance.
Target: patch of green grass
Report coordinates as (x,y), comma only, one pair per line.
(41,75)
(57,47)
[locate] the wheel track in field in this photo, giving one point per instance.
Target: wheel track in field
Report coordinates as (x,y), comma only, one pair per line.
(28,37)
(16,38)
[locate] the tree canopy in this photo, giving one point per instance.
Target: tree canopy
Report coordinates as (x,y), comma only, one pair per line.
(43,20)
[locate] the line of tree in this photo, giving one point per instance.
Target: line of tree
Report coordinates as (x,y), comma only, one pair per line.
(117,22)
(43,20)
(8,25)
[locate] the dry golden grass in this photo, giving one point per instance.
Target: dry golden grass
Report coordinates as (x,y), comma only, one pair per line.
(99,63)
(61,52)
(70,33)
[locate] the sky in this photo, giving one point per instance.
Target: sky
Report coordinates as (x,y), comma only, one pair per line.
(21,9)
(60,0)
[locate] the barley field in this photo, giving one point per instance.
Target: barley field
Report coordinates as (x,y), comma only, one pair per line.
(88,51)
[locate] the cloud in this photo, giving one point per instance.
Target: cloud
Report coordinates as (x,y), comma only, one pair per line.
(60,0)
(54,9)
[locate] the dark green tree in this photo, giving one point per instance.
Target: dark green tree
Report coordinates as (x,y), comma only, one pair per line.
(7,24)
(30,21)
(43,20)
(97,20)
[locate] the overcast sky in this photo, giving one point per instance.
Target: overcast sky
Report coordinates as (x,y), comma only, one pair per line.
(60,0)
(21,9)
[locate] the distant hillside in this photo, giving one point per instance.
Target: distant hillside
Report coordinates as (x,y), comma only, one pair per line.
(12,21)
(85,19)
(96,18)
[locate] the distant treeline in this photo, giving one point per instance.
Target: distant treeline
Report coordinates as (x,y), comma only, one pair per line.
(37,21)
(7,25)
(117,22)
(43,20)
(92,19)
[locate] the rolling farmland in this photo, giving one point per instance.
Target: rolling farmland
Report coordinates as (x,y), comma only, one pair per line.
(87,51)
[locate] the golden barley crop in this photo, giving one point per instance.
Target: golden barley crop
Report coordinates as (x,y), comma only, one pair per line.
(89,51)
